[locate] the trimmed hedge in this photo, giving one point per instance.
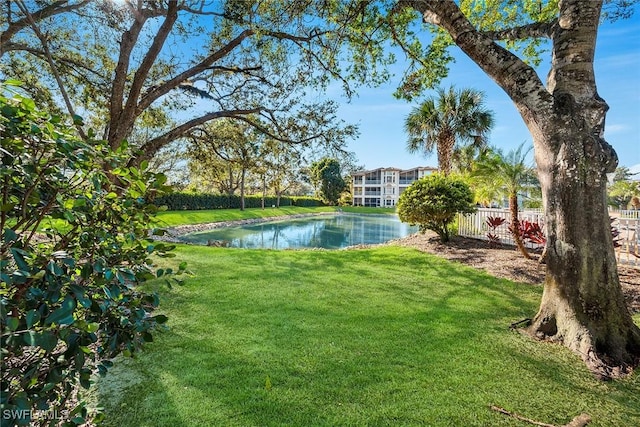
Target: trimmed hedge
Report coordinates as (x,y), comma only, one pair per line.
(201,201)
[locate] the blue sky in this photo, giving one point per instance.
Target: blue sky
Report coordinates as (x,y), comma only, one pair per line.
(380,116)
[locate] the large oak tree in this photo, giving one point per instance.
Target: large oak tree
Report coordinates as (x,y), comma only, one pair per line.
(170,66)
(582,304)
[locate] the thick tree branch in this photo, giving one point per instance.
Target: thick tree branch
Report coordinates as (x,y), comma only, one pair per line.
(164,88)
(152,146)
(147,62)
(512,74)
(52,65)
(534,30)
(127,44)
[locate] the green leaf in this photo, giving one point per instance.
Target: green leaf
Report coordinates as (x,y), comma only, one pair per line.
(10,235)
(64,314)
(31,338)
(6,207)
(160,318)
(32,318)
(28,104)
(48,340)
(18,256)
(54,268)
(12,323)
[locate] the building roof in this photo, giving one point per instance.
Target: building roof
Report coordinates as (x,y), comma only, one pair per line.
(394,169)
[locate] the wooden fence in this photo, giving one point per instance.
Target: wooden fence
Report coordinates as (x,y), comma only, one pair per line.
(626,222)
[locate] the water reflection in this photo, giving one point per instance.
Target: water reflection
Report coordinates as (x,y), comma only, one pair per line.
(329,232)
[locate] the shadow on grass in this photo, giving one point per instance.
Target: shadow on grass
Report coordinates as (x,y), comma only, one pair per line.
(370,337)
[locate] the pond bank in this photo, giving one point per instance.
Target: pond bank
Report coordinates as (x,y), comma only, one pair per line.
(173,234)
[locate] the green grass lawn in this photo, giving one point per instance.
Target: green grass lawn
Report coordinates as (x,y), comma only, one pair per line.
(375,337)
(174,218)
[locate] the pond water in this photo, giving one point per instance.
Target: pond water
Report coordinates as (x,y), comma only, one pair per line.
(325,231)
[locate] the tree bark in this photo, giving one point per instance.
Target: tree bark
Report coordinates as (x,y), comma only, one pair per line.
(582,304)
(446,142)
(244,172)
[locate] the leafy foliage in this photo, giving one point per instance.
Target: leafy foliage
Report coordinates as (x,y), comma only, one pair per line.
(433,202)
(507,174)
(74,245)
(493,222)
(448,122)
(200,201)
(126,65)
(531,232)
(325,175)
(623,189)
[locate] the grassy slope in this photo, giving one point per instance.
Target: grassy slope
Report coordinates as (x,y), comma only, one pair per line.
(173,218)
(387,336)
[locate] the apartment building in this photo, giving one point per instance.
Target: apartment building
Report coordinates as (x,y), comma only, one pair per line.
(382,187)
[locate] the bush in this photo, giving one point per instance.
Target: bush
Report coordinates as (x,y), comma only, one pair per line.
(433,202)
(74,245)
(200,201)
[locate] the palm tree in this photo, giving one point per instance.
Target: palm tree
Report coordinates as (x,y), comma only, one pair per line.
(509,174)
(451,120)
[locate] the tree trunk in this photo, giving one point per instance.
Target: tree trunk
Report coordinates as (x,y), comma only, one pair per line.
(264,189)
(515,225)
(582,303)
(244,171)
(446,142)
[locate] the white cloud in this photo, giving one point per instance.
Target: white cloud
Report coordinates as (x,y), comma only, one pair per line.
(616,128)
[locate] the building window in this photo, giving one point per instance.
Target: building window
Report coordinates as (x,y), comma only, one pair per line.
(372,202)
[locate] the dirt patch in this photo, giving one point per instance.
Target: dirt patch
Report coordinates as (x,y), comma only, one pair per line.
(506,262)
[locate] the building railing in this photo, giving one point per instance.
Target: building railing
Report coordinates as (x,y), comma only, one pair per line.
(475,226)
(406,181)
(372,193)
(372,181)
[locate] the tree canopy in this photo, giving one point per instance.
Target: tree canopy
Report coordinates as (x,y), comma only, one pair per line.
(150,72)
(450,122)
(327,178)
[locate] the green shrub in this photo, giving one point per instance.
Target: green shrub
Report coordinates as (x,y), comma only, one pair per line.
(74,245)
(201,201)
(433,202)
